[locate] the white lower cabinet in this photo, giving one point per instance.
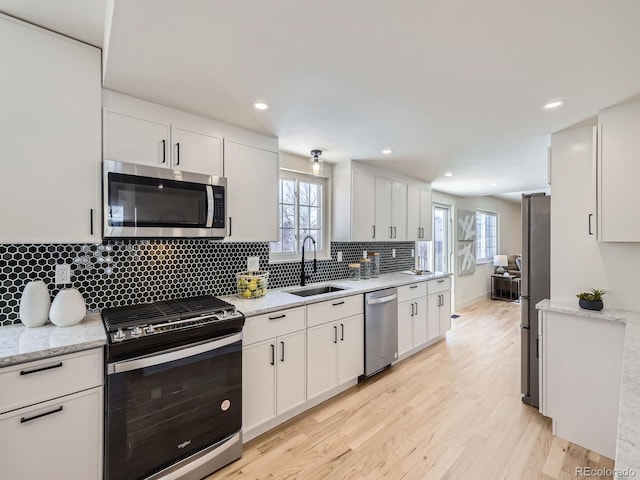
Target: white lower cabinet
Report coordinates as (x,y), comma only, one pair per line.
(439,306)
(51,418)
(273,370)
(335,354)
(412,324)
(58,440)
(580,365)
(439,313)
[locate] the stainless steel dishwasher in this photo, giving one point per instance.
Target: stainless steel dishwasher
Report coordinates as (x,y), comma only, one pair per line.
(380,330)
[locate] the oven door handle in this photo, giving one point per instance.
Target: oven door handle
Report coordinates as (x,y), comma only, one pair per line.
(152,360)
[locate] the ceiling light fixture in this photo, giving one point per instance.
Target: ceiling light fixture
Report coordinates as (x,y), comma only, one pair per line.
(261,106)
(448,174)
(315,163)
(493,184)
(387,151)
(553,104)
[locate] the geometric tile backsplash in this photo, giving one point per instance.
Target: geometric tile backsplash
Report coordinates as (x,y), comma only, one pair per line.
(123,272)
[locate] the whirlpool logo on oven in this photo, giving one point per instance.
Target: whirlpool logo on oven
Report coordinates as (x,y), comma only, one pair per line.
(184,444)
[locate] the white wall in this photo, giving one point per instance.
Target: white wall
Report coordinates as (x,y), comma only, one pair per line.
(578,260)
(469,289)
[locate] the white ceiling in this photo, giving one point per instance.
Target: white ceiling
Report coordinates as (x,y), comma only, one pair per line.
(449,86)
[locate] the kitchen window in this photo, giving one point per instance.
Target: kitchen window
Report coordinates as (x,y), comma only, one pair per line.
(301,212)
(486,236)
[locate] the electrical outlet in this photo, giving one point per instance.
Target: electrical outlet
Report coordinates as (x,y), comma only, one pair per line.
(364,254)
(339,254)
(63,274)
(253,264)
(413,252)
(393,252)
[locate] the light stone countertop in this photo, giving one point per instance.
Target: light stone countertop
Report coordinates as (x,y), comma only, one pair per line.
(279,299)
(19,344)
(628,442)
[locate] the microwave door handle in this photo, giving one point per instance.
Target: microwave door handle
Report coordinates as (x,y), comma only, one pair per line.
(209,206)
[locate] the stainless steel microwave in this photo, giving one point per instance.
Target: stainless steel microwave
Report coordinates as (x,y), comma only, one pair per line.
(148,202)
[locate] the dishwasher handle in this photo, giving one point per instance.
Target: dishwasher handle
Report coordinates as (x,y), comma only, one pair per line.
(388,298)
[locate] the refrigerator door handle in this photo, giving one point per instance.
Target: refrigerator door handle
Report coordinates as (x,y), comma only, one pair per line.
(524,361)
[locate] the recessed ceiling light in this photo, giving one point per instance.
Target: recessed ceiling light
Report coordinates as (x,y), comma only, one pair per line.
(493,184)
(261,106)
(448,174)
(553,104)
(387,151)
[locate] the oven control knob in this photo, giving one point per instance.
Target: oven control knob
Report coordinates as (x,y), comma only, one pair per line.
(119,335)
(150,329)
(136,331)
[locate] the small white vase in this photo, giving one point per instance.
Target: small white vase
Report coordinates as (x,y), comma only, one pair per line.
(34,304)
(68,308)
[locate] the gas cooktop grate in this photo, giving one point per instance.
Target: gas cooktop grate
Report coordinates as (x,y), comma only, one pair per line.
(165,311)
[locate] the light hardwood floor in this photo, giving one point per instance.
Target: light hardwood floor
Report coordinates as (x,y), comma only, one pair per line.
(452,411)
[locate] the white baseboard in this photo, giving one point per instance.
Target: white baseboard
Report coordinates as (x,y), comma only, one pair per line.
(473,301)
(419,348)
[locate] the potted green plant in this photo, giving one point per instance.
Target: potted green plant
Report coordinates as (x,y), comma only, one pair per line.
(591,299)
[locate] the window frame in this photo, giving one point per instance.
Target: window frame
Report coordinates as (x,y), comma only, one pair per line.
(324,254)
(485,260)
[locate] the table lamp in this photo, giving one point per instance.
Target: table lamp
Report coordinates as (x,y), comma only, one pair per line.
(500,261)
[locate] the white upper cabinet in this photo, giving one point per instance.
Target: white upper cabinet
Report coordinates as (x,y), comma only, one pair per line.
(384,226)
(364,207)
(149,141)
(196,152)
(618,169)
(419,213)
(385,206)
(399,210)
(50,135)
(252,193)
(135,140)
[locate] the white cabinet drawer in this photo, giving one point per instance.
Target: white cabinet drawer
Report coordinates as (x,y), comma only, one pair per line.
(439,285)
(324,312)
(274,324)
(33,382)
(57,440)
(411,292)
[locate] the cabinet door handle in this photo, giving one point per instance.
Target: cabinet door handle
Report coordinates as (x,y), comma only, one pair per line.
(277,317)
(590,232)
(412,309)
(35,417)
(390,232)
(282,352)
(178,156)
(91,221)
(337,303)
(335,334)
(394,232)
(374,231)
(42,369)
(273,354)
(229,227)
(416,304)
(342,332)
(164,151)
(422,234)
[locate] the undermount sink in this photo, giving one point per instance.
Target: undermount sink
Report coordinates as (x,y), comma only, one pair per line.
(307,292)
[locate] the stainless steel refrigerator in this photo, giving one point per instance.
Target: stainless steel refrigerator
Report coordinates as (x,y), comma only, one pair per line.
(536,240)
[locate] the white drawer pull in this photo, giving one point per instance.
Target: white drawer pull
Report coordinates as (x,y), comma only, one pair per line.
(36,370)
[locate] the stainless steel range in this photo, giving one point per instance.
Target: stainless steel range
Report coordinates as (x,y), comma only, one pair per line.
(174,389)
